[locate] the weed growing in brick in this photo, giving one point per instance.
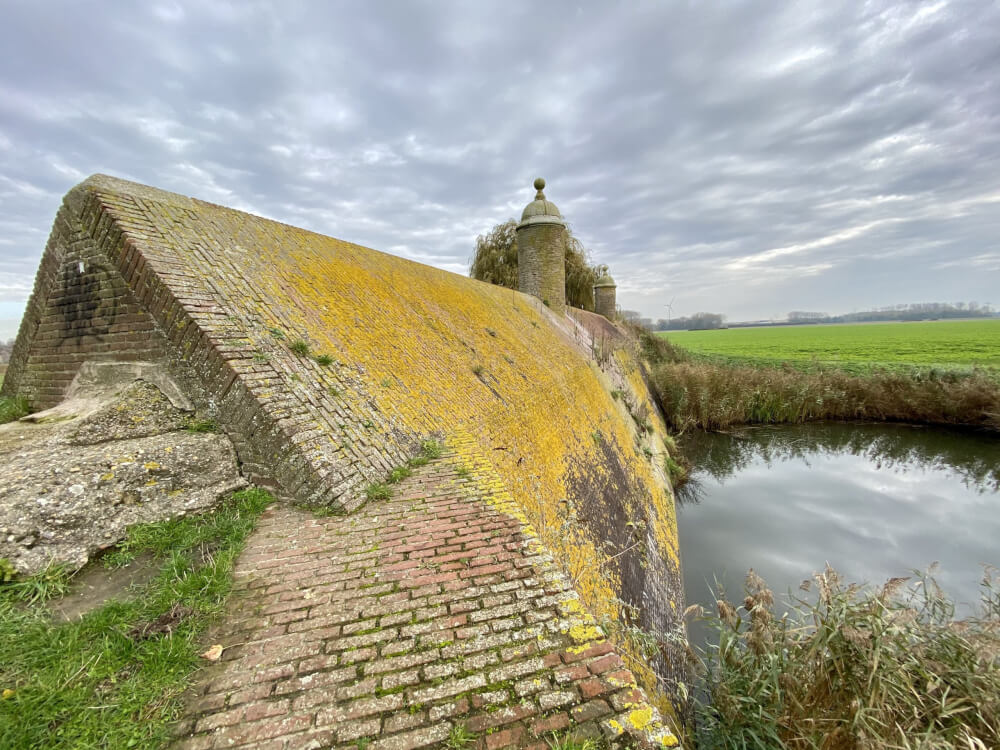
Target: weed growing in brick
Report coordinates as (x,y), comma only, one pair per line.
(12,408)
(399,474)
(570,742)
(277,333)
(459,737)
(378,491)
(103,681)
(431,449)
(261,357)
(477,369)
(325,360)
(201,425)
(462,471)
(300,347)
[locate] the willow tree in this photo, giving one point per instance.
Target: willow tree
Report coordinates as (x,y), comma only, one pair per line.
(495,261)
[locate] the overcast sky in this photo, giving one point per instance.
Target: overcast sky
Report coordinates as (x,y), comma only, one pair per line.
(747,158)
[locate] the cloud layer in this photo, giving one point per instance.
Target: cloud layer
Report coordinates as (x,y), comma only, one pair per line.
(747,158)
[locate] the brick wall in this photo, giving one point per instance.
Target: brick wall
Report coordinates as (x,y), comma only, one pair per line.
(81,309)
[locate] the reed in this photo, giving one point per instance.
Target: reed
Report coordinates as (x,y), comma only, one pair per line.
(716,396)
(853,669)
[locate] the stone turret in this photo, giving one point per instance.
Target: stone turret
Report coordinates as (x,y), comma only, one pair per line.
(541,251)
(605,302)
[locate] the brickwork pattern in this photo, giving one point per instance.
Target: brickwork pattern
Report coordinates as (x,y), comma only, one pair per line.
(541,263)
(80,310)
(605,301)
(409,618)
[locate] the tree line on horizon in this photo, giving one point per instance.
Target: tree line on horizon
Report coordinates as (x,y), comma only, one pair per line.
(905,312)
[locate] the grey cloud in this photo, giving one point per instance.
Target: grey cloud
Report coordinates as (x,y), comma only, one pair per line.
(746,158)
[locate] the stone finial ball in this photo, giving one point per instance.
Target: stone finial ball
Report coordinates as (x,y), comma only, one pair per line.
(539,183)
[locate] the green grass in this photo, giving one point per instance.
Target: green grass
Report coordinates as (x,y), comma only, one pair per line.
(927,344)
(98,682)
(459,737)
(201,425)
(429,450)
(12,408)
(300,347)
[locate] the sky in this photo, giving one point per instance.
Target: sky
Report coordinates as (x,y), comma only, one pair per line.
(745,158)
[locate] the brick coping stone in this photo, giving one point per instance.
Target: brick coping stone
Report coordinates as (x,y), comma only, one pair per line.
(396,626)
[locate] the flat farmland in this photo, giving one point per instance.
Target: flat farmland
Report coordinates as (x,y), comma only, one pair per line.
(960,344)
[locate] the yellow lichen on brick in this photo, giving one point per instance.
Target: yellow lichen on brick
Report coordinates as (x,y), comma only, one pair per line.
(581,633)
(640,718)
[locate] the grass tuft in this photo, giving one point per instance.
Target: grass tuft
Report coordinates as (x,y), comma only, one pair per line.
(378,491)
(12,408)
(459,737)
(399,474)
(324,360)
(431,449)
(570,742)
(105,680)
(201,425)
(300,347)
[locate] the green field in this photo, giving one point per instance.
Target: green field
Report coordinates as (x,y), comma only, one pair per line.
(945,344)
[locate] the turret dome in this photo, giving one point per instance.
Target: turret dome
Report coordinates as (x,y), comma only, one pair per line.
(540,210)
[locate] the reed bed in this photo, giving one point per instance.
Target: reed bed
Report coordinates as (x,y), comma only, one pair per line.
(854,669)
(717,396)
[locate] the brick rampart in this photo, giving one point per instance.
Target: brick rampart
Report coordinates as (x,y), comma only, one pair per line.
(327,363)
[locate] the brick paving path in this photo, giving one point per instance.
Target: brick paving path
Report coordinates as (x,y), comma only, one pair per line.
(402,623)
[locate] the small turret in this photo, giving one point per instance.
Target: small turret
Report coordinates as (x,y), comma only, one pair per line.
(605,296)
(541,251)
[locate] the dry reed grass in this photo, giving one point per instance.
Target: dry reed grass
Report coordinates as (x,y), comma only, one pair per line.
(853,670)
(716,396)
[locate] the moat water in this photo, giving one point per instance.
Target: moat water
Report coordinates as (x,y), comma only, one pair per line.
(873,501)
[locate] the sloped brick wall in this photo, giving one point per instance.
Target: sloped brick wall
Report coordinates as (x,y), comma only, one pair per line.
(81,309)
(327,363)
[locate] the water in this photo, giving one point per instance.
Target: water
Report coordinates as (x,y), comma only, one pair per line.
(874,501)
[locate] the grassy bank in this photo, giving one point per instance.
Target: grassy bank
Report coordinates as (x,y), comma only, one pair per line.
(716,393)
(715,396)
(114,677)
(950,345)
(851,669)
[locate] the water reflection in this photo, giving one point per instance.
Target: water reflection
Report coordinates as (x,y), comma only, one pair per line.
(973,459)
(875,501)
